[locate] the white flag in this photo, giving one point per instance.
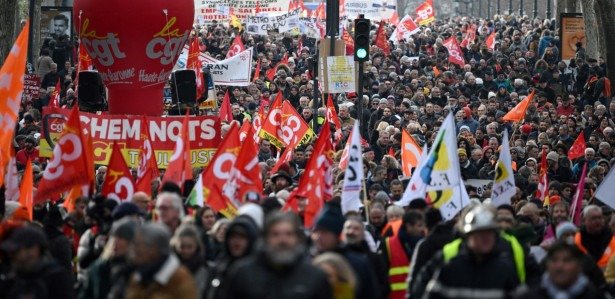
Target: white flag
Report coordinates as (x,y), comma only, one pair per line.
(416,187)
(353,176)
(443,159)
(195,198)
(450,201)
(12,181)
(504,181)
(607,189)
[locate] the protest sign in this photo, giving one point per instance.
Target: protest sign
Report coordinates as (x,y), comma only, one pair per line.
(234,71)
(31,86)
(376,10)
(340,74)
(480,185)
(126,131)
(262,23)
(207,11)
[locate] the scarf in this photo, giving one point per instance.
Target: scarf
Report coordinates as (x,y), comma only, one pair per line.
(574,290)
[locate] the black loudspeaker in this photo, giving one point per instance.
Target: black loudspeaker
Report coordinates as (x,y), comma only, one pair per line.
(183,87)
(91,92)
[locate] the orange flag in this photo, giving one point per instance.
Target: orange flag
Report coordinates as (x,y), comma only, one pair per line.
(119,184)
(257,70)
(180,169)
(11,88)
(218,173)
(543,183)
(148,167)
(194,63)
(226,113)
(26,189)
(316,183)
(490,41)
(381,39)
(71,162)
(578,147)
(245,175)
(410,153)
(518,112)
(436,71)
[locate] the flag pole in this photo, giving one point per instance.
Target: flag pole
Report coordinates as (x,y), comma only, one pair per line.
(365,201)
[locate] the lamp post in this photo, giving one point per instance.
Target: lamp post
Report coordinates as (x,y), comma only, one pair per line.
(520,8)
(535,11)
(510,12)
(548,12)
(497,10)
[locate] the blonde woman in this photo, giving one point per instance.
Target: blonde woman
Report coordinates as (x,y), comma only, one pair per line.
(341,276)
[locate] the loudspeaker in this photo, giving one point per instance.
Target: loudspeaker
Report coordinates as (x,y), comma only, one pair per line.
(91,92)
(183,87)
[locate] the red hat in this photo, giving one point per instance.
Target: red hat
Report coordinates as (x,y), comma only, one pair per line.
(526,129)
(352,95)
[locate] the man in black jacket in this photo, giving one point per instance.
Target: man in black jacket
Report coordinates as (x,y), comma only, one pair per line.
(280,270)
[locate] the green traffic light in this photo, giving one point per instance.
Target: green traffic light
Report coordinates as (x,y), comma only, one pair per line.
(361,53)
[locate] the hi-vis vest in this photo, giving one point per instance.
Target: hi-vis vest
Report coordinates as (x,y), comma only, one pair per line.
(451,250)
(399,267)
(606,256)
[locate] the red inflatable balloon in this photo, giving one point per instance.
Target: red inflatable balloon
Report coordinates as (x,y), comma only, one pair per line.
(134,45)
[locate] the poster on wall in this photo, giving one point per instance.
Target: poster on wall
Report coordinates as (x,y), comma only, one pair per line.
(572,31)
(56,23)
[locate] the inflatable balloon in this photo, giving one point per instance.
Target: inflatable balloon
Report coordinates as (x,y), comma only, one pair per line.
(134,45)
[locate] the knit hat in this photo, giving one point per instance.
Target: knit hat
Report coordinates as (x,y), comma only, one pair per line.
(553,156)
(491,94)
(330,219)
(462,151)
(565,227)
(254,211)
(526,129)
(126,209)
(464,128)
(124,229)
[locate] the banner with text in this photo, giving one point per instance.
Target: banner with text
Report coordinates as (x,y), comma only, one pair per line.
(262,23)
(207,11)
(126,131)
(234,71)
(340,74)
(375,10)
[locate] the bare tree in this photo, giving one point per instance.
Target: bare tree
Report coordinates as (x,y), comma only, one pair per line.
(7,26)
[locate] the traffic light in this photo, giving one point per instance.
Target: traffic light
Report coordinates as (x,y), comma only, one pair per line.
(362,27)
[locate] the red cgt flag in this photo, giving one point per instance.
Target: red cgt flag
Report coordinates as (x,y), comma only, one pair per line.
(26,189)
(226,113)
(195,64)
(245,175)
(490,41)
(270,129)
(381,39)
(71,159)
(257,70)
(148,167)
(316,183)
(236,47)
(454,51)
(118,184)
(425,13)
(578,147)
(180,169)
(55,95)
(218,173)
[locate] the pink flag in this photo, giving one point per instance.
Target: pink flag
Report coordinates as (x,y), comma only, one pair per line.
(577,201)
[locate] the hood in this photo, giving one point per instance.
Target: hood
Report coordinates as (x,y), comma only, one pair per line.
(245,223)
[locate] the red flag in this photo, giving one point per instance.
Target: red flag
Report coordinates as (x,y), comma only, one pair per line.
(334,119)
(518,112)
(257,122)
(316,183)
(245,175)
(271,123)
(319,13)
(577,202)
(236,47)
(257,71)
(425,13)
(490,41)
(218,173)
(348,41)
(85,62)
(226,112)
(270,73)
(391,152)
(543,184)
(293,129)
(245,129)
(285,157)
(11,89)
(381,39)
(578,147)
(118,183)
(194,63)
(148,167)
(470,36)
(410,153)
(180,168)
(394,19)
(25,190)
(70,164)
(454,51)
(55,95)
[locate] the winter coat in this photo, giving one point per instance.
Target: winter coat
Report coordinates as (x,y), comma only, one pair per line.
(256,278)
(171,281)
(49,281)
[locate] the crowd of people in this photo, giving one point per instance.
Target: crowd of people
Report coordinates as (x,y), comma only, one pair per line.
(156,246)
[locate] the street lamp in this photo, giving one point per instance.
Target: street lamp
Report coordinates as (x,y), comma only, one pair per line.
(510,12)
(498,11)
(535,11)
(548,12)
(520,8)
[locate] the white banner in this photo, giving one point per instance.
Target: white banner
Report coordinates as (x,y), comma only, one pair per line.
(262,23)
(341,74)
(480,185)
(234,71)
(375,10)
(207,11)
(353,177)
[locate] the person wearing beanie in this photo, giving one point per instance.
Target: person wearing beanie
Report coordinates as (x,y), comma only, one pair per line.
(468,121)
(326,236)
(108,275)
(557,172)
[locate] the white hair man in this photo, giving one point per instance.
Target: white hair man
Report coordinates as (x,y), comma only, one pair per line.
(170,210)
